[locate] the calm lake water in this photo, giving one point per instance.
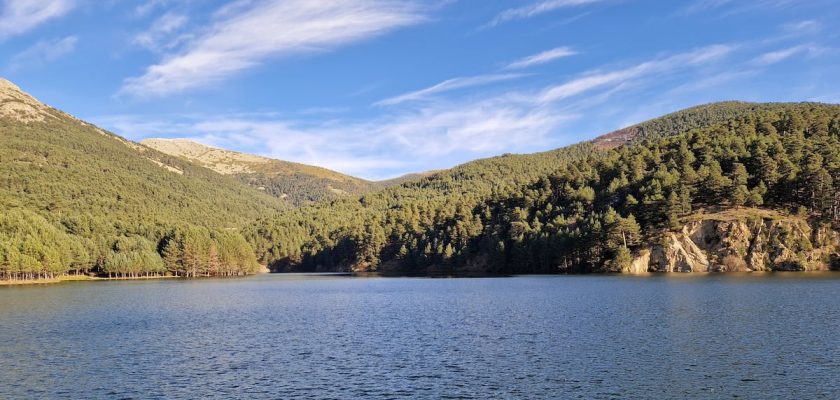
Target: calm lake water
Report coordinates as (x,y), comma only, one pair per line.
(315,336)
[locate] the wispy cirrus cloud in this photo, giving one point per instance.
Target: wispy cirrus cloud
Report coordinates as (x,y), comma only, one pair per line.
(713,81)
(480,80)
(535,9)
(733,7)
(704,5)
(600,79)
(20,16)
(246,34)
(379,148)
(448,85)
(43,52)
(159,36)
(806,26)
(431,134)
(777,56)
(541,58)
(148,6)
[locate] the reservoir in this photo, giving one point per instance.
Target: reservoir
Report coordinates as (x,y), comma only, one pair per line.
(761,335)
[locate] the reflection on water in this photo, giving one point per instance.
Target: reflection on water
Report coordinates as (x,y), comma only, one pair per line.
(334,336)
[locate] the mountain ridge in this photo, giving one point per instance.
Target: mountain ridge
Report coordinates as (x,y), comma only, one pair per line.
(297,183)
(77,198)
(547,212)
(695,117)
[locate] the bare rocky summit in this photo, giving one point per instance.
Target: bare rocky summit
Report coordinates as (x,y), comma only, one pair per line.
(16,104)
(297,183)
(225,162)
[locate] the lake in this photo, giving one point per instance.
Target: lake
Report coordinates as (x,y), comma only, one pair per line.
(325,336)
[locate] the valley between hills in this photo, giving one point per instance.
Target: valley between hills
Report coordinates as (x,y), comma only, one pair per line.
(728,186)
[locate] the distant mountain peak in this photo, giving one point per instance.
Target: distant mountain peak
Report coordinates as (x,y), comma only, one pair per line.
(299,184)
(19,105)
(225,162)
(6,85)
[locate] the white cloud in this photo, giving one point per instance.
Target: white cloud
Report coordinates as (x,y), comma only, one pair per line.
(733,7)
(807,26)
(541,58)
(158,36)
(20,16)
(704,5)
(428,135)
(486,127)
(438,136)
(535,9)
(147,7)
(601,79)
(247,34)
(778,56)
(713,81)
(43,52)
(480,80)
(448,85)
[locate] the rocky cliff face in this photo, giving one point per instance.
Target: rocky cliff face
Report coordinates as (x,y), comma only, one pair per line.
(754,243)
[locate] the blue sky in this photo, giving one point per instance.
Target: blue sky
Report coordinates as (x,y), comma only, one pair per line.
(377,88)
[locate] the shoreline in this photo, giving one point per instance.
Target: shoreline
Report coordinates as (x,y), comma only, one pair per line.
(88,278)
(85,278)
(80,278)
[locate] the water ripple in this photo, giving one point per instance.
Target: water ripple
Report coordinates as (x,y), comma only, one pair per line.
(593,337)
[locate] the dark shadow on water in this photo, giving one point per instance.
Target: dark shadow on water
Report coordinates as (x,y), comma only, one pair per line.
(388,275)
(743,276)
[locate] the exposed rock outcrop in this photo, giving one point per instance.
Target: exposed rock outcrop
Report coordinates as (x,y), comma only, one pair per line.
(742,242)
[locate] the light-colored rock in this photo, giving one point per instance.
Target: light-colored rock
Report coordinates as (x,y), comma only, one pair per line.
(222,161)
(14,103)
(678,253)
(228,162)
(640,264)
(760,242)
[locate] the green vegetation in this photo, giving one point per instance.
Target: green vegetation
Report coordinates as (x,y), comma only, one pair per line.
(295,183)
(576,209)
(300,189)
(76,199)
(307,188)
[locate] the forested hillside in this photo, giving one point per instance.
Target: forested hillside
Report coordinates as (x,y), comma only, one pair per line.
(686,120)
(295,183)
(74,198)
(661,195)
(588,207)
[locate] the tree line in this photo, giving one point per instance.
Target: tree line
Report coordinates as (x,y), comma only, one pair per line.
(577,209)
(33,248)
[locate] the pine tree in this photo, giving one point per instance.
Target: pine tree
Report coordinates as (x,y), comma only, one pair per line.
(756,197)
(173,255)
(213,261)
